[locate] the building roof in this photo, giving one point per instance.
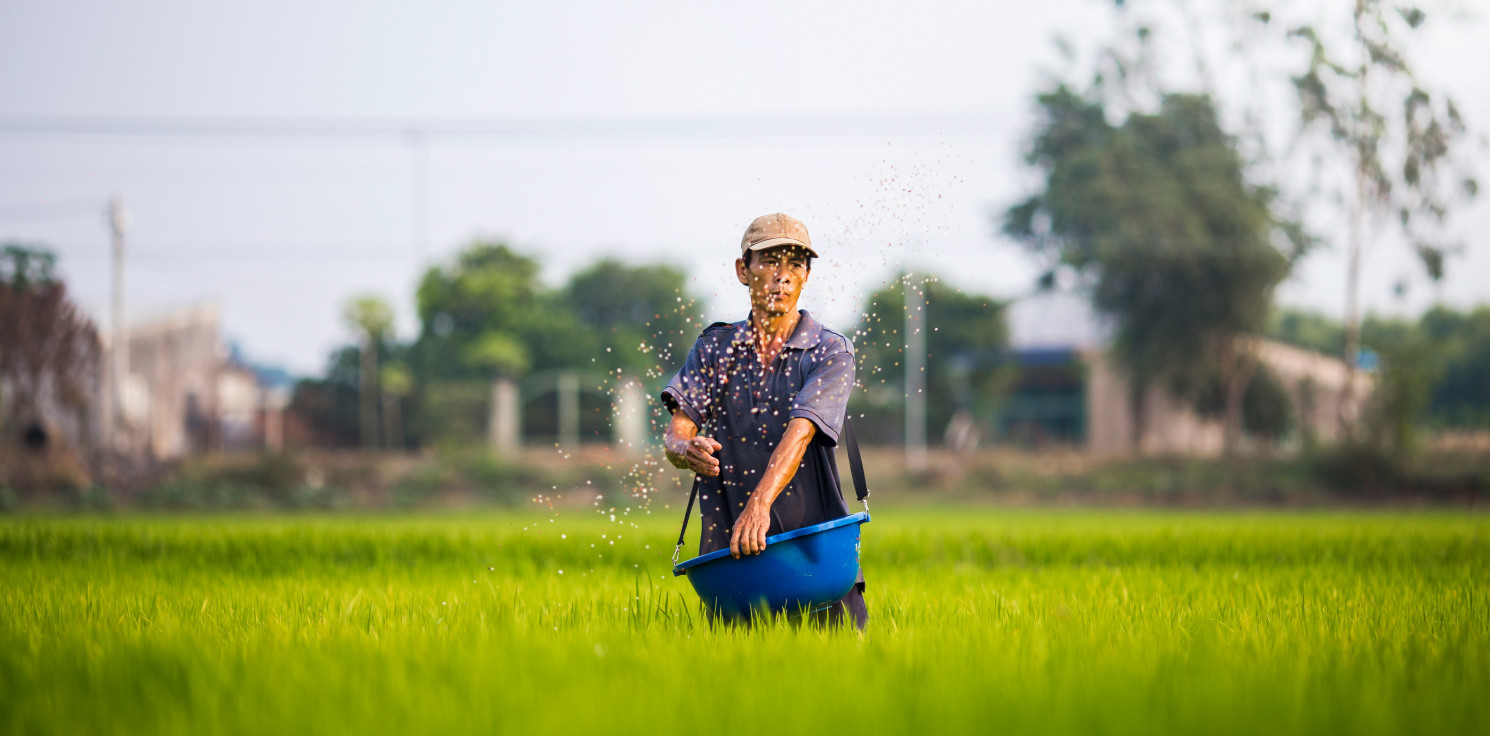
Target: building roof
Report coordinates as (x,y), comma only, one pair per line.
(1049,320)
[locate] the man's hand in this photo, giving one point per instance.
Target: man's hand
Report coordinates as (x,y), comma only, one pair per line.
(749,534)
(749,537)
(696,454)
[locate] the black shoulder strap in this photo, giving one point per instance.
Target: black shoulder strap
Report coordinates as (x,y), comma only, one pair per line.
(855,466)
(855,463)
(692,494)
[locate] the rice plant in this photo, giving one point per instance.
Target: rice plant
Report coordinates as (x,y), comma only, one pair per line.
(982,619)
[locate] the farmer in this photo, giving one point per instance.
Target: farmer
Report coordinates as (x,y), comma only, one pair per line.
(772,391)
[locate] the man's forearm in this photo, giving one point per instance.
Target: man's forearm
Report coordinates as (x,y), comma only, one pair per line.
(675,440)
(688,451)
(785,460)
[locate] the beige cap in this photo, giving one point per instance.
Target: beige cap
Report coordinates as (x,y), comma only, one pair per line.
(769,231)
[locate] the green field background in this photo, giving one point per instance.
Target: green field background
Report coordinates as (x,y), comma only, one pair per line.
(983,619)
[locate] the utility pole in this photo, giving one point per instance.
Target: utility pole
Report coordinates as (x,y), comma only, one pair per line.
(1346,411)
(119,349)
(915,375)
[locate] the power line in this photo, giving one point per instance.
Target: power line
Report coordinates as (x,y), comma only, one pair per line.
(94,202)
(49,211)
(266,252)
(411,130)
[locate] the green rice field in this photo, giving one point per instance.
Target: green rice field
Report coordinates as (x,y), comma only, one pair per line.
(983,619)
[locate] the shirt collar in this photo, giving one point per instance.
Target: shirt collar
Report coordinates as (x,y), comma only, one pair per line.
(807,335)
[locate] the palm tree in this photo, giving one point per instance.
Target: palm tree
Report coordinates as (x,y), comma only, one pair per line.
(371,318)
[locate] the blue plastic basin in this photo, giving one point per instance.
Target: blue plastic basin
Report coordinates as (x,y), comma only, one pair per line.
(801,570)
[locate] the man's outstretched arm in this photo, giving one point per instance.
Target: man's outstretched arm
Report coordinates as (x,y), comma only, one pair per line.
(749,535)
(686,450)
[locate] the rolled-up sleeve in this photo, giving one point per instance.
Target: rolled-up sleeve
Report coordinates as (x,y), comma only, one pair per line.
(824,395)
(691,391)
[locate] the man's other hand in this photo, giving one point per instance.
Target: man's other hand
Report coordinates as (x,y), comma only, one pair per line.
(749,536)
(696,454)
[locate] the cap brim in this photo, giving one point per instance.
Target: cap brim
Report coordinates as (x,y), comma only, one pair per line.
(777,242)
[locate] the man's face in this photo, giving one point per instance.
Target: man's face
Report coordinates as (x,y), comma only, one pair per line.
(775,277)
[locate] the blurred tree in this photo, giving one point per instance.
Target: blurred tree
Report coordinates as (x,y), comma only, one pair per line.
(1268,413)
(1461,396)
(1307,330)
(23,267)
(1267,410)
(497,354)
(1397,138)
(488,314)
(49,362)
(485,316)
(1175,245)
(1410,364)
(329,405)
(1459,342)
(396,382)
(371,318)
(636,312)
(965,346)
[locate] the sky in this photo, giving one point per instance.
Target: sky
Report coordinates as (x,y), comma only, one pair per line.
(274,173)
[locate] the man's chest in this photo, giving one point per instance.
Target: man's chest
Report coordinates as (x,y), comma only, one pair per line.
(760,396)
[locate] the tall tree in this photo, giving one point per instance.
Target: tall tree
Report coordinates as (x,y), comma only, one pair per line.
(637,314)
(371,318)
(487,313)
(1397,138)
(1177,247)
(49,351)
(484,317)
(396,383)
(487,316)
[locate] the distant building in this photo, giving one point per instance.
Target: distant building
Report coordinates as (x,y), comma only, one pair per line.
(1068,391)
(188,393)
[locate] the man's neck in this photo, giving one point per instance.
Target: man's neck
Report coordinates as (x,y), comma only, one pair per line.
(772,331)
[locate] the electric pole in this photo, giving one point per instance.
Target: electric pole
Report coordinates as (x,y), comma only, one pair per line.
(915,375)
(119,349)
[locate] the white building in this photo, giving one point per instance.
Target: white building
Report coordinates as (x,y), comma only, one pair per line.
(1069,392)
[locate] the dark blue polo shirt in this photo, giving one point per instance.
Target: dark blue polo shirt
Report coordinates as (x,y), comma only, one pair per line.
(745,406)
